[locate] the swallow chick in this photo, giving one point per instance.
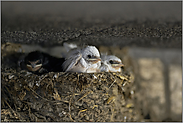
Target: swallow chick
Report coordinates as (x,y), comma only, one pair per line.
(86,60)
(110,63)
(39,63)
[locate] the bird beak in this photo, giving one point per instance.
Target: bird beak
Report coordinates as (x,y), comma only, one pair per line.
(117,65)
(95,59)
(34,67)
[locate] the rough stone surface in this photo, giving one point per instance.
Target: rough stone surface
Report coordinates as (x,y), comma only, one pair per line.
(50,31)
(152,89)
(175,74)
(158,83)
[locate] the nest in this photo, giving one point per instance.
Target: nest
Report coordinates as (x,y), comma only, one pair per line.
(62,96)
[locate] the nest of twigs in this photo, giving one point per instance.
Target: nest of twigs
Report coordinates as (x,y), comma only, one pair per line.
(61,96)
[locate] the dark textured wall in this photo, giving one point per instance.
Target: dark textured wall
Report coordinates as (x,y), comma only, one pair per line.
(128,10)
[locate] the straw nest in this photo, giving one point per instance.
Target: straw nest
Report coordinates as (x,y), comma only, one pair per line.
(62,96)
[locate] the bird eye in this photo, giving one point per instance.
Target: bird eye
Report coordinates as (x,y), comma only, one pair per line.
(111,61)
(89,56)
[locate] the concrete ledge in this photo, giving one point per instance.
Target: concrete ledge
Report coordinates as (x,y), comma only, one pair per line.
(126,10)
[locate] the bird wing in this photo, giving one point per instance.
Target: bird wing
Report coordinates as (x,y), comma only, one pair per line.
(72,59)
(83,63)
(70,46)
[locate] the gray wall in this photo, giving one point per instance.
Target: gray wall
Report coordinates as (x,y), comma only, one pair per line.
(124,10)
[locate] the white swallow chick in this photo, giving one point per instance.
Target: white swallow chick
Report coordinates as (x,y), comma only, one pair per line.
(110,63)
(86,60)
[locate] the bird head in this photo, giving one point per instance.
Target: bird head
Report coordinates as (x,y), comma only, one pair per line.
(91,55)
(111,63)
(34,61)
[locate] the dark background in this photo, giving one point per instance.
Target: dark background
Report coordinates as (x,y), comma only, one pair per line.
(127,10)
